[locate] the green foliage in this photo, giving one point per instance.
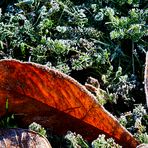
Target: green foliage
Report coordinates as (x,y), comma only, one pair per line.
(129,27)
(105,39)
(120,85)
(75,36)
(75,140)
(8,121)
(38,128)
(101,142)
(142,137)
(136,122)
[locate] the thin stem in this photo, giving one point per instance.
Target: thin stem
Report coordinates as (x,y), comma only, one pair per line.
(133,61)
(146,79)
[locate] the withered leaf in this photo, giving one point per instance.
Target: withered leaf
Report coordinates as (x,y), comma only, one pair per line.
(22,138)
(36,93)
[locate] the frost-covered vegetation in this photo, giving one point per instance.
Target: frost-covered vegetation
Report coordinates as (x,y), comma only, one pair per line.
(104,39)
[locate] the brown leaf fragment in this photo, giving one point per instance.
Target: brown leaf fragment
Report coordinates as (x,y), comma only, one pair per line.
(144,145)
(22,138)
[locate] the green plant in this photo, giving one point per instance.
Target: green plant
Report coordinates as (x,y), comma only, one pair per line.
(101,142)
(105,39)
(136,122)
(75,140)
(38,128)
(119,85)
(142,137)
(8,122)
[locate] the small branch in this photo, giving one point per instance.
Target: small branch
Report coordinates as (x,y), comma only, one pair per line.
(133,61)
(146,79)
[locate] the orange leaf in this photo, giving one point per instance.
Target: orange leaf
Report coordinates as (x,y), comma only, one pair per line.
(36,93)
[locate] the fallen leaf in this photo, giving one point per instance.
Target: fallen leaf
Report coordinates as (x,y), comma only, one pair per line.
(38,94)
(22,138)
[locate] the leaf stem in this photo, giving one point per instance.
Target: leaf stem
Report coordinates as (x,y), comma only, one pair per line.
(133,61)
